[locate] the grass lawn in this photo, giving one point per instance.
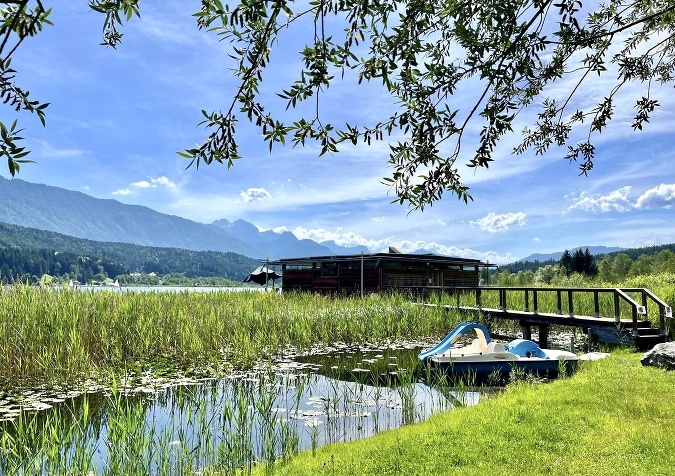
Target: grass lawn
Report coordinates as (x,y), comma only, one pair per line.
(613,417)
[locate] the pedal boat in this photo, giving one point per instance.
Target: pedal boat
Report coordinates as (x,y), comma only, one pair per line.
(487,360)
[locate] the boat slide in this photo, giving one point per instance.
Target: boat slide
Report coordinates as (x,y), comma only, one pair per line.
(451,339)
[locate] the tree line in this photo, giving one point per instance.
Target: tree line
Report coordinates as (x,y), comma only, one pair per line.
(26,254)
(579,268)
(22,265)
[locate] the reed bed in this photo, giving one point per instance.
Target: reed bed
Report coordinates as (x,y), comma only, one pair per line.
(223,427)
(57,336)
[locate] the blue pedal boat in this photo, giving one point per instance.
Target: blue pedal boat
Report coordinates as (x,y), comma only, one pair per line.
(484,359)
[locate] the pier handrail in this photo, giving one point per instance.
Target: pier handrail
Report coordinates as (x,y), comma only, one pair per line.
(619,295)
(664,309)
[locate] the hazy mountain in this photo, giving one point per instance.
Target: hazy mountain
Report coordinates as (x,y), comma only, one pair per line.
(275,245)
(593,250)
(82,216)
(76,214)
(284,244)
(79,215)
(344,250)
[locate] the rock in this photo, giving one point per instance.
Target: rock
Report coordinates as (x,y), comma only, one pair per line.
(662,355)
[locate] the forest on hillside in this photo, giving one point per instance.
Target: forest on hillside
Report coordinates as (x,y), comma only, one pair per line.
(26,254)
(580,267)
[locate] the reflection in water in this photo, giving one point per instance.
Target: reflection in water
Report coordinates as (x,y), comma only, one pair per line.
(229,423)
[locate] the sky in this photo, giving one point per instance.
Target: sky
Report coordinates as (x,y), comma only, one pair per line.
(118,117)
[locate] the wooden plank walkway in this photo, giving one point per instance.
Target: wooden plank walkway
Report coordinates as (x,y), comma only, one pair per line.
(637,329)
(550,317)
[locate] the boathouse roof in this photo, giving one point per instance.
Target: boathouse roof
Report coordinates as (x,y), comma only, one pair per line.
(390,256)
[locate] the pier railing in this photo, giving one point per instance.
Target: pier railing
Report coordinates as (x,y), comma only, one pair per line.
(600,303)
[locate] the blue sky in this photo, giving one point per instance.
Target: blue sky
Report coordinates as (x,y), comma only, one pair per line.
(118,117)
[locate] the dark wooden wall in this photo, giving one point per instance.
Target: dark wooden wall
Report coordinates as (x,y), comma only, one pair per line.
(348,280)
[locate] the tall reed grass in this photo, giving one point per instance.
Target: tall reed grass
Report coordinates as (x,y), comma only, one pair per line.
(60,336)
(223,427)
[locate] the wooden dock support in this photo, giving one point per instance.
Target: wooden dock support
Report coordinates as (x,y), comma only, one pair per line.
(526,328)
(543,335)
(527,331)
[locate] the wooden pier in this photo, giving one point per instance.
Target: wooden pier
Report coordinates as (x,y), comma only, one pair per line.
(611,315)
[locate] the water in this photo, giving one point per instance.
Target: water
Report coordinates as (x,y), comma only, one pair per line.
(178,289)
(151,426)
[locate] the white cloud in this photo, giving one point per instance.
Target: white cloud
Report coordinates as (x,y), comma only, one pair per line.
(48,150)
(379,219)
(153,183)
(615,201)
(163,181)
(166,32)
(662,196)
(142,184)
(494,223)
(339,236)
(254,195)
(122,191)
(344,238)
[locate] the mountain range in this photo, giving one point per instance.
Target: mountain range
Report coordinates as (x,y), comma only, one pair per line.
(79,215)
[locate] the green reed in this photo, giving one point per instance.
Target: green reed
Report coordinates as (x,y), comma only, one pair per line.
(54,336)
(227,431)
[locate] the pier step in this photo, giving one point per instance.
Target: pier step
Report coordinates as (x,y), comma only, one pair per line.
(648,337)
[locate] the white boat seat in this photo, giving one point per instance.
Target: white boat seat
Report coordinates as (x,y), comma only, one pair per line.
(476,347)
(494,347)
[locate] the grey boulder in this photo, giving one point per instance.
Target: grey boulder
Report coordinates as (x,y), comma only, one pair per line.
(662,355)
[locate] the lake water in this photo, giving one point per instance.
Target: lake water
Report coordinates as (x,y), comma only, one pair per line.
(150,425)
(197,289)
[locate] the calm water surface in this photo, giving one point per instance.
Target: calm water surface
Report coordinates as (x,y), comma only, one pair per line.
(297,404)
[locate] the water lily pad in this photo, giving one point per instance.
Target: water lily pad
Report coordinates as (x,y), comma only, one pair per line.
(313,422)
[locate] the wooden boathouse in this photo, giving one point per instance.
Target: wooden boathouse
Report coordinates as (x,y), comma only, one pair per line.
(618,316)
(418,274)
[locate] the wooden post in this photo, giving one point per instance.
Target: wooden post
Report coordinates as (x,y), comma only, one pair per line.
(361,273)
(543,335)
(527,331)
(558,302)
(527,301)
(535,302)
(589,339)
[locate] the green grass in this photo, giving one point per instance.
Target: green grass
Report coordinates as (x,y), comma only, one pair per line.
(614,417)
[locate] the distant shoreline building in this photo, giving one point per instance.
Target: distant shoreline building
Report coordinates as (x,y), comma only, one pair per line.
(379,272)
